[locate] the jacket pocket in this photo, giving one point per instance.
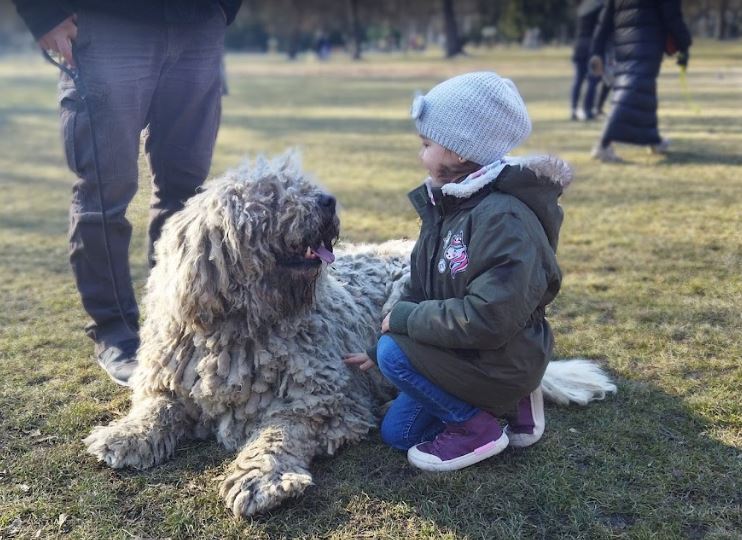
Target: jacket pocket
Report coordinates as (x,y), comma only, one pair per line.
(68,102)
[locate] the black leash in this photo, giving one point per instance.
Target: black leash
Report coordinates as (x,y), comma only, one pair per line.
(76,76)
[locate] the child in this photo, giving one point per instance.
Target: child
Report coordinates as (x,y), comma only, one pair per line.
(468,342)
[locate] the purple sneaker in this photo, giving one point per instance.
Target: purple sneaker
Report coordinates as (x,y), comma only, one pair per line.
(460,445)
(527,426)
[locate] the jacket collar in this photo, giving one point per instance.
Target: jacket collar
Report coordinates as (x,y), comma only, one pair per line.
(464,193)
(537,181)
(429,200)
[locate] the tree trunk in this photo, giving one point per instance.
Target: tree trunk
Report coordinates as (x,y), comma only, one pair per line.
(453,41)
(295,24)
(721,27)
(292,49)
(355,29)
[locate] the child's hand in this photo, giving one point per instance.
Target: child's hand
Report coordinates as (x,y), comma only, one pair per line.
(385,324)
(360,360)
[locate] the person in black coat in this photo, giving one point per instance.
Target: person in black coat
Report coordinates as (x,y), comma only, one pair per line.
(641,30)
(587,19)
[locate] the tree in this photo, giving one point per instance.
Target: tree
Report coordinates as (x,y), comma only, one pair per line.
(356,34)
(453,41)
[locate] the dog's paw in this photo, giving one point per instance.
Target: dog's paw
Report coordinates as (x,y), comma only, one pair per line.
(120,446)
(250,492)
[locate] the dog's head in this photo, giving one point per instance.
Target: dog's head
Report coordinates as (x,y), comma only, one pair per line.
(252,244)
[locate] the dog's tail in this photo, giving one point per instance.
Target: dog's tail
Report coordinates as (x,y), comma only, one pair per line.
(575,381)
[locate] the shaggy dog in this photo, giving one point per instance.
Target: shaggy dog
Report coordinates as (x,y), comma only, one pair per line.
(248,319)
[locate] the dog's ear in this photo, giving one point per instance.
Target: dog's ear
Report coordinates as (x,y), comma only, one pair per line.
(197,257)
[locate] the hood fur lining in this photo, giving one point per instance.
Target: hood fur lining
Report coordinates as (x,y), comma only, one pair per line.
(555,169)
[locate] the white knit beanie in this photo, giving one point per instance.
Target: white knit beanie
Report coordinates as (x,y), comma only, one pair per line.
(480,116)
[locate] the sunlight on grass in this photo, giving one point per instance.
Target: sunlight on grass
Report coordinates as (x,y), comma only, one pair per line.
(652,256)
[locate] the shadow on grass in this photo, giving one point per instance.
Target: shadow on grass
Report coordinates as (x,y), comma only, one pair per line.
(283,126)
(44,223)
(700,157)
(638,463)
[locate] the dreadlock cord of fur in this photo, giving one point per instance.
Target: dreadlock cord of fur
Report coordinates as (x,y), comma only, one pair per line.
(239,345)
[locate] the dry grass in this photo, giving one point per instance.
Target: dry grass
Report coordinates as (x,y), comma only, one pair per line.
(651,254)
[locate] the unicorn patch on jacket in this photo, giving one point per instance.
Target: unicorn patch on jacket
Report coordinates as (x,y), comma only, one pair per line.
(455,253)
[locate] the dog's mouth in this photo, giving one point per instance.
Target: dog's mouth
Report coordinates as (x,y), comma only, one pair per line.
(316,250)
(313,255)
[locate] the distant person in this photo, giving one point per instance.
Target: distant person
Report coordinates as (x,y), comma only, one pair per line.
(322,46)
(469,341)
(641,31)
(151,64)
(587,19)
(606,80)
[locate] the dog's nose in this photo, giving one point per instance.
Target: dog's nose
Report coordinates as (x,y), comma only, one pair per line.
(327,201)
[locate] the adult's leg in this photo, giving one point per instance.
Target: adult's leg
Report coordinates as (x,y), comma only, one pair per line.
(602,96)
(116,60)
(407,423)
(396,367)
(580,73)
(592,83)
(184,118)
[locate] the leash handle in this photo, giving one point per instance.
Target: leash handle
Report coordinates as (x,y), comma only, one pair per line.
(72,73)
(77,80)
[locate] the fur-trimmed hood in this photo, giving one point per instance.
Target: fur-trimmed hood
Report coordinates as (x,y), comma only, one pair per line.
(538,181)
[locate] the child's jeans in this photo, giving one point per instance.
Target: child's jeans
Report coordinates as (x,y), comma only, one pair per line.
(421,408)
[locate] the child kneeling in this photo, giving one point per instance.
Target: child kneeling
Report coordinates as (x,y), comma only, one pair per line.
(468,342)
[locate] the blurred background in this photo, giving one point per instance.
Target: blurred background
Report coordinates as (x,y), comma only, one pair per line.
(359,26)
(651,251)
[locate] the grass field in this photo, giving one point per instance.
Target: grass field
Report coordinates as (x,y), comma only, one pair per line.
(651,256)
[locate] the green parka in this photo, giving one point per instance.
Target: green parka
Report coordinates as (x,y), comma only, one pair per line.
(484,267)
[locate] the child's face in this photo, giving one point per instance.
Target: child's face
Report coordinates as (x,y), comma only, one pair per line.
(438,161)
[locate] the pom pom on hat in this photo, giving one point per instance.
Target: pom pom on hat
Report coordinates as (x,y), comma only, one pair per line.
(480,116)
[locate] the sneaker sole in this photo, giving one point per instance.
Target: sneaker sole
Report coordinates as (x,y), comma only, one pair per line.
(428,462)
(523,440)
(120,382)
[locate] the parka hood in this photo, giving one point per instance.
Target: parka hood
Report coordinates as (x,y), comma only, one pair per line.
(537,181)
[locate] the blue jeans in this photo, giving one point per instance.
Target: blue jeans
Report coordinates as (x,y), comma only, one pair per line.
(421,409)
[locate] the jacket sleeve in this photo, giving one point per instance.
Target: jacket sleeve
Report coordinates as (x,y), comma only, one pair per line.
(603,30)
(506,286)
(41,15)
(672,19)
(413,290)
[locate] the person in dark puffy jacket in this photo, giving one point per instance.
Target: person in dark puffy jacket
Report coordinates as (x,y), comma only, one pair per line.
(150,64)
(641,31)
(469,342)
(587,19)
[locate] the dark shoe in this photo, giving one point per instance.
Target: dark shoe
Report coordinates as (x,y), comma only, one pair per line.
(460,445)
(120,361)
(527,425)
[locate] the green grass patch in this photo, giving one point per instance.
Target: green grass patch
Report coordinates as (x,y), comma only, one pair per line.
(651,252)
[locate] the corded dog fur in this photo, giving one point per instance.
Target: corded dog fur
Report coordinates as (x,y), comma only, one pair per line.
(245,331)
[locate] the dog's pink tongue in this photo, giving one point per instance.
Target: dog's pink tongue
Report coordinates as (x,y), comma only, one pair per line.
(325,254)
